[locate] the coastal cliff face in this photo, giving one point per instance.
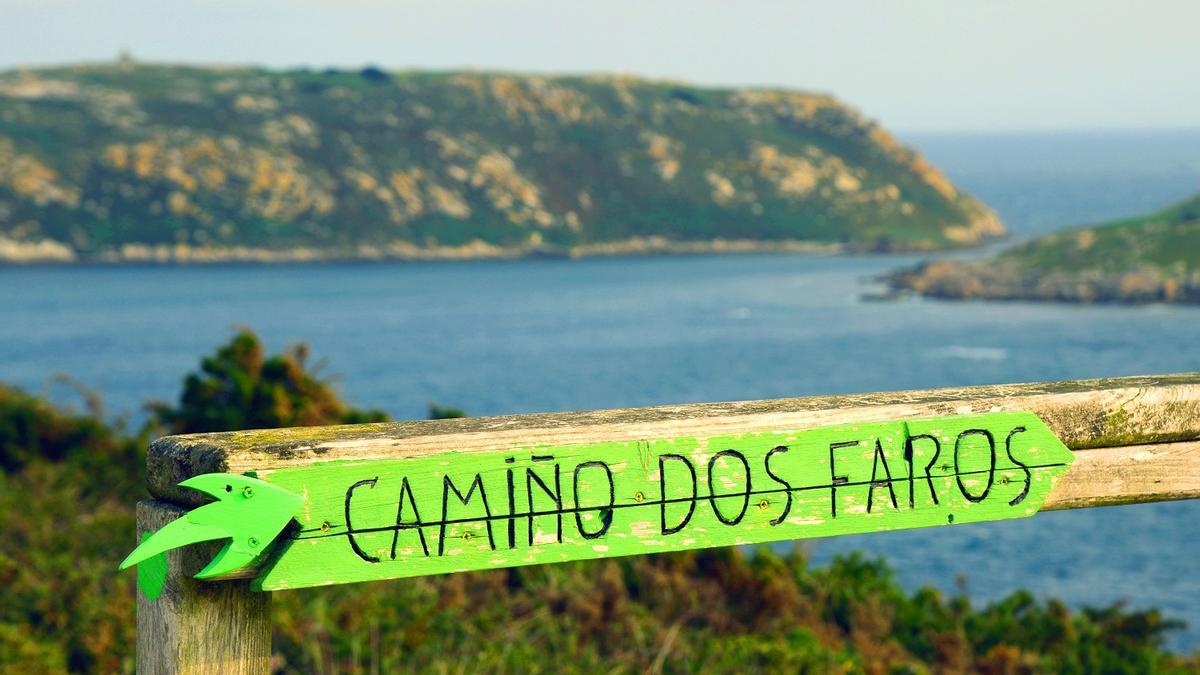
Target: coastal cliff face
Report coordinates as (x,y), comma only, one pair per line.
(1154,258)
(129,162)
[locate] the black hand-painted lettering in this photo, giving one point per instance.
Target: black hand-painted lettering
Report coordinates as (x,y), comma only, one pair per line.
(908,458)
(606,513)
(787,487)
(1028,474)
(447,488)
(712,463)
(531,477)
(350,527)
(662,486)
(991,471)
(406,489)
(834,479)
(512,509)
(875,482)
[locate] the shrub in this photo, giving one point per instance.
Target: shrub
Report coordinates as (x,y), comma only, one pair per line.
(240,388)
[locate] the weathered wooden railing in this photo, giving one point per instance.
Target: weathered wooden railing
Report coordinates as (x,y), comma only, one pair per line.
(408,498)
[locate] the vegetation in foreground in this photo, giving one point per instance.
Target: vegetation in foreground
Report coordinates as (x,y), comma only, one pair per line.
(1153,258)
(69,482)
(129,161)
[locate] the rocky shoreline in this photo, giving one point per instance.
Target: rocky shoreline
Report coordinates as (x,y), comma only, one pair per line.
(47,251)
(53,252)
(984,225)
(990,280)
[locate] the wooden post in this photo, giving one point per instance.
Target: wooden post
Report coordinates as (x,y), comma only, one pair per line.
(196,626)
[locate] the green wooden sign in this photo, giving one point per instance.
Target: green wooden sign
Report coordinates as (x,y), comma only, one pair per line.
(452,512)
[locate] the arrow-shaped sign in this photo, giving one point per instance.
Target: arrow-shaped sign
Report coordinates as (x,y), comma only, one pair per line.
(249,512)
(448,511)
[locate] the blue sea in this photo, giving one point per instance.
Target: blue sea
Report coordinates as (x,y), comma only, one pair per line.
(549,335)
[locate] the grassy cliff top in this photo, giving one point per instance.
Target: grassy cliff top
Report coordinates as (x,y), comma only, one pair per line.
(1167,241)
(128,161)
(1152,258)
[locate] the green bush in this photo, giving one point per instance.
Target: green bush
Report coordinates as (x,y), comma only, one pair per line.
(444,412)
(240,388)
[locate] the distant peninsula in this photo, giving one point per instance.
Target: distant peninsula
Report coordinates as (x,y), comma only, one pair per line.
(129,162)
(1154,258)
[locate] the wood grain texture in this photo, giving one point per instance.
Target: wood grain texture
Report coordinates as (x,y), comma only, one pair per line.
(1129,474)
(194,626)
(1083,414)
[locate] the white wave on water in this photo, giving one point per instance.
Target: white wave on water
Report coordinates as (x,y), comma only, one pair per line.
(969,353)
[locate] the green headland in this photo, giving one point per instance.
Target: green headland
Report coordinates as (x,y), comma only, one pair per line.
(134,162)
(1152,258)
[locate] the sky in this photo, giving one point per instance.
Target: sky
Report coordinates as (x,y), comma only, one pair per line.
(916,66)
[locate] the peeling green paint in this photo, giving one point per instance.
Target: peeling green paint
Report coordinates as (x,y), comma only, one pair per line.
(449,512)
